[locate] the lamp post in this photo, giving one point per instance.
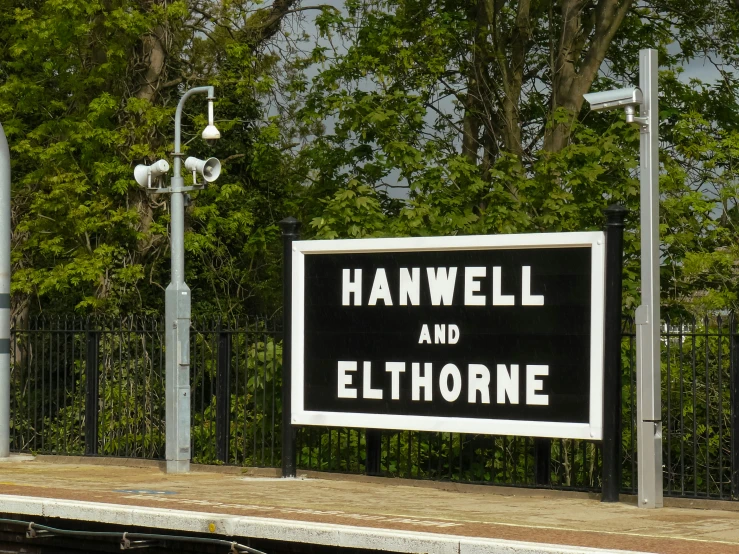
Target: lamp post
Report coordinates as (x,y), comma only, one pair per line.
(4,296)
(648,379)
(177,296)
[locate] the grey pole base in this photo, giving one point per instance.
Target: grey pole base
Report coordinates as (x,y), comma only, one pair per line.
(178,466)
(177,384)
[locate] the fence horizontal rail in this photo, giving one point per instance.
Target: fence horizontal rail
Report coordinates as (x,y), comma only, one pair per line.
(59,405)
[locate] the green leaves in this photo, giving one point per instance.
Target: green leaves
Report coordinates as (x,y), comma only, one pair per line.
(353,212)
(85,96)
(407,115)
(406,118)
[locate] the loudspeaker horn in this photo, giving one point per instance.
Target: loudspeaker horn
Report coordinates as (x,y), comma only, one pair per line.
(210,169)
(144,174)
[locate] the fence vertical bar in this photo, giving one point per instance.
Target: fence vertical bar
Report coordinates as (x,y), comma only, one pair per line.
(223,395)
(734,409)
(290,232)
(615,215)
(92,371)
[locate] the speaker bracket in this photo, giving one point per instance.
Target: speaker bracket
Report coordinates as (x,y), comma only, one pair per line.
(167,190)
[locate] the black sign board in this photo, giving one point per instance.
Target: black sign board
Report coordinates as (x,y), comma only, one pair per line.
(478,334)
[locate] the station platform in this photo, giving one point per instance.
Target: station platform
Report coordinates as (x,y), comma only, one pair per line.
(358,512)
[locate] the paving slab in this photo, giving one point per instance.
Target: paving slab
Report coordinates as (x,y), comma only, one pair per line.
(387,514)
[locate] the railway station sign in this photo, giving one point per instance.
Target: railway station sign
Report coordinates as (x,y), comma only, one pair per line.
(493,334)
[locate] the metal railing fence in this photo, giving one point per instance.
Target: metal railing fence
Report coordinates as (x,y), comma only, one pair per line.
(236,408)
(236,376)
(53,391)
(483,459)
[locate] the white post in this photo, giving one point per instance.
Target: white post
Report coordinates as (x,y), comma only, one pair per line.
(648,367)
(4,296)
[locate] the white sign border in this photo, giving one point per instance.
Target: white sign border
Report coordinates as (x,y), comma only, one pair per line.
(589,239)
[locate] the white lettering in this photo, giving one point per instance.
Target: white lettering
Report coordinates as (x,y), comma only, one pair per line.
(396,368)
(367,390)
(380,289)
(471,286)
(527,299)
(422,381)
(441,285)
(533,385)
(410,286)
(450,370)
(498,298)
(425,335)
(345,380)
(453,334)
(479,380)
(439,334)
(350,287)
(507,384)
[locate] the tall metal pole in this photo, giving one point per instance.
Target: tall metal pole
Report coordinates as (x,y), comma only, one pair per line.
(648,369)
(4,296)
(177,317)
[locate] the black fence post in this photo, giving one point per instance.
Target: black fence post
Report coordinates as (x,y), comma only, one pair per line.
(543,461)
(734,408)
(615,215)
(92,374)
(290,232)
(373,444)
(223,395)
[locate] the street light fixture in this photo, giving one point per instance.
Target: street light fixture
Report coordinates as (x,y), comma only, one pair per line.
(649,403)
(177,296)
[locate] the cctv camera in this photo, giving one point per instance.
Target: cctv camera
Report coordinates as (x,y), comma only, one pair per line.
(614,98)
(210,169)
(144,174)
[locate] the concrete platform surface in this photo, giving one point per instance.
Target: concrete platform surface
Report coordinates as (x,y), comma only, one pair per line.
(386,514)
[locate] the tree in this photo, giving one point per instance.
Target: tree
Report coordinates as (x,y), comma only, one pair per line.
(88,90)
(477,109)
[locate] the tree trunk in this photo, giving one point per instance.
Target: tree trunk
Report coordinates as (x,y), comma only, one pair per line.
(154,56)
(574,70)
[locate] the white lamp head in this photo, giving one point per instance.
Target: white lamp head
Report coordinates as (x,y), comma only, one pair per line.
(145,174)
(210,169)
(211,134)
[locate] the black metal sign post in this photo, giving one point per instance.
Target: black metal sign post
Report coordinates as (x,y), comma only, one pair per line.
(542,461)
(478,334)
(290,232)
(223,393)
(92,393)
(615,215)
(373,451)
